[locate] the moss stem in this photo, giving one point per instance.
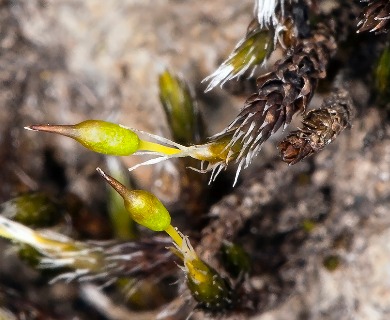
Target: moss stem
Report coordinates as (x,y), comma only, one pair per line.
(151,146)
(174,235)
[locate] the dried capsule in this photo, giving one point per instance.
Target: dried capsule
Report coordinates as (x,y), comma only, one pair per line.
(320,127)
(123,225)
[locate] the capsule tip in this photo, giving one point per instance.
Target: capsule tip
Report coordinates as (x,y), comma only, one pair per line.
(60,129)
(120,188)
(32,128)
(101,172)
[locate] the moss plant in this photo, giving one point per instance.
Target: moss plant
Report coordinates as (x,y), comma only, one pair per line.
(382,72)
(180,108)
(236,260)
(331,262)
(206,285)
(105,137)
(113,139)
(306,51)
(34,209)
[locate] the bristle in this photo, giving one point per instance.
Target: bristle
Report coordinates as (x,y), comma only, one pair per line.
(281,93)
(266,11)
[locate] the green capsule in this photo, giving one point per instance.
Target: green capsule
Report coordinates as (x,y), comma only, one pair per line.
(30,255)
(143,207)
(98,136)
(308,225)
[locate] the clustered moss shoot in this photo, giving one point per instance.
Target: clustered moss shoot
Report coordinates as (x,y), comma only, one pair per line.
(113,139)
(206,285)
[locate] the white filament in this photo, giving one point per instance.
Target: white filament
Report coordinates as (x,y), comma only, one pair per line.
(265,12)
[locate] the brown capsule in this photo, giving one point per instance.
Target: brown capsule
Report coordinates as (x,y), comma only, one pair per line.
(319,128)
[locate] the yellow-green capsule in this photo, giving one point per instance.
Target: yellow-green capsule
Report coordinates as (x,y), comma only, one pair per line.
(97,135)
(144,207)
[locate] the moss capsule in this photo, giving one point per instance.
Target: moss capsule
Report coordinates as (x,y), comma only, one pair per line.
(98,136)
(144,208)
(34,209)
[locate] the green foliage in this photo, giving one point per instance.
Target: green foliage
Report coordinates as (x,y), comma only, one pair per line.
(32,209)
(122,223)
(180,108)
(308,225)
(236,259)
(30,255)
(207,287)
